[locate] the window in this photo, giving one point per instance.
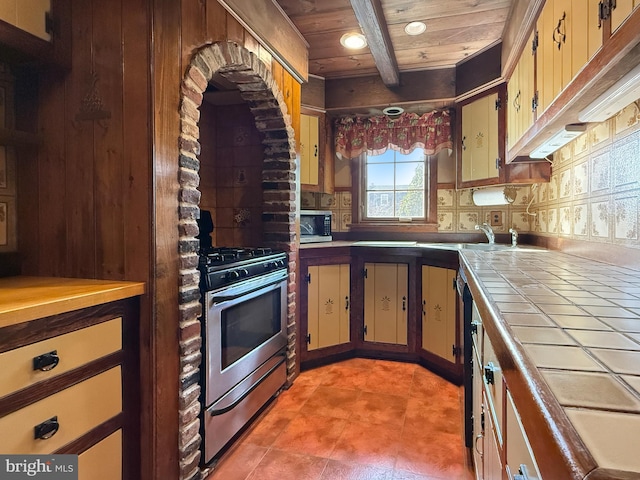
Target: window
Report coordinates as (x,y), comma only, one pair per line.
(394,191)
(394,185)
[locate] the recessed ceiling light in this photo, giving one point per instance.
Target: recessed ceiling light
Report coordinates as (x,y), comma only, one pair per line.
(354,41)
(415,28)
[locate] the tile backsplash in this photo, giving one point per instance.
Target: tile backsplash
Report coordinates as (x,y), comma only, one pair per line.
(595,185)
(593,194)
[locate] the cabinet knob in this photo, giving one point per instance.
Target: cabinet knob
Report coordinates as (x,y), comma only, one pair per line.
(46,361)
(46,429)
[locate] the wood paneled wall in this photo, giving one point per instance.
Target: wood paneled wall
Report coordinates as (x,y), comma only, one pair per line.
(99,197)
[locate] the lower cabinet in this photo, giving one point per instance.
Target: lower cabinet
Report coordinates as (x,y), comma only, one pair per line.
(386,302)
(328,305)
(439,317)
(521,463)
(66,387)
(501,448)
(92,464)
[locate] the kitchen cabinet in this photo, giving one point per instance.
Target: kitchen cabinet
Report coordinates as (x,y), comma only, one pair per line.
(68,381)
(520,459)
(482,151)
(328,305)
(491,454)
(439,316)
(28,15)
(620,11)
(316,152)
(568,36)
(521,95)
(386,302)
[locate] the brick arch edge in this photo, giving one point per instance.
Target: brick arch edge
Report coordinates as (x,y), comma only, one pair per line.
(265,100)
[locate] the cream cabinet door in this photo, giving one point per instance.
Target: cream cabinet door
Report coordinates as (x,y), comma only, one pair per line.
(328,305)
(492,460)
(386,302)
(103,461)
(520,459)
(27,15)
(622,10)
(309,149)
(439,311)
(480,150)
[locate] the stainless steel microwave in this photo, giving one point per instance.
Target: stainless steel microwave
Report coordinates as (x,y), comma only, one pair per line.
(315,226)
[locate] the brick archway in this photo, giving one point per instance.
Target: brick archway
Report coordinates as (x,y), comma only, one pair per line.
(260,91)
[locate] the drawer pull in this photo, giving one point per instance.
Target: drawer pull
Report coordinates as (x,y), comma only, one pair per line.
(46,429)
(46,361)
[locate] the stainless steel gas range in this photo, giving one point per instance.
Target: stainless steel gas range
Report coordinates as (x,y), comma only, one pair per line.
(244,338)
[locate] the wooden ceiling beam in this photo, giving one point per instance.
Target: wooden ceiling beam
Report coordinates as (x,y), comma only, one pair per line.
(371,19)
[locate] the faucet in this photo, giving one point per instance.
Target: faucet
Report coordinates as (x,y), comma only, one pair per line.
(488,231)
(514,237)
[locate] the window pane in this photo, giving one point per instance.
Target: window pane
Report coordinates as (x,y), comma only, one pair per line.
(416,156)
(410,204)
(387,156)
(380,177)
(409,176)
(380,204)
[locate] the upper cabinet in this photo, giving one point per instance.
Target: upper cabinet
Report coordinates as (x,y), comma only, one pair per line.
(36,32)
(32,16)
(481,150)
(480,144)
(316,152)
(577,50)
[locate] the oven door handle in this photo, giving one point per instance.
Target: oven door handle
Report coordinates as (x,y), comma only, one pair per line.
(241,293)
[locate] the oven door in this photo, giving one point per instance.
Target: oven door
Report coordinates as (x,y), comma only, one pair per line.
(245,325)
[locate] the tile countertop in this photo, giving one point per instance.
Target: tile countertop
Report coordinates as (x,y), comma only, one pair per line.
(567,334)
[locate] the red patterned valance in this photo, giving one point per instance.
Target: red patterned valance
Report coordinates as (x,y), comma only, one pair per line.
(431,131)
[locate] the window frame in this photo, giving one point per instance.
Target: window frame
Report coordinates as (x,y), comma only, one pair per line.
(358,191)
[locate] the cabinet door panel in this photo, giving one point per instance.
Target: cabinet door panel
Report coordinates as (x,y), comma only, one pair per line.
(492,462)
(439,319)
(73,350)
(621,12)
(328,305)
(518,449)
(78,408)
(386,288)
(92,464)
(304,148)
(593,26)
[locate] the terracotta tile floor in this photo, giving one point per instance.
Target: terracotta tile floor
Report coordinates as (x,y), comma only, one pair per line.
(356,420)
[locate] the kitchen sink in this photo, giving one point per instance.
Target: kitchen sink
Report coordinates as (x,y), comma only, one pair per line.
(490,247)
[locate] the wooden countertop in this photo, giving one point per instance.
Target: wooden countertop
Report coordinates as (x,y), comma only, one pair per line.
(27,298)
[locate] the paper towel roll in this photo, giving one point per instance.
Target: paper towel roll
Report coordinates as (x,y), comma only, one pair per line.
(494,196)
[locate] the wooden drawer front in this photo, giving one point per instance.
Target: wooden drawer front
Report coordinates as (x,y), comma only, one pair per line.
(103,461)
(74,350)
(79,408)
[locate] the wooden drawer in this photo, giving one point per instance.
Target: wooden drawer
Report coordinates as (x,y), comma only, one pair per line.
(79,408)
(103,461)
(73,349)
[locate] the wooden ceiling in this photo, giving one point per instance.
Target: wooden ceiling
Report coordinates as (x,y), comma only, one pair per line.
(456,30)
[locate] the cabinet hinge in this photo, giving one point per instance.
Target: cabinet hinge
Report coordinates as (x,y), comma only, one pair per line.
(455,351)
(482,421)
(48,23)
(498,104)
(474,328)
(364,330)
(604,10)
(364,273)
(454,284)
(308,277)
(498,163)
(534,102)
(309,338)
(534,43)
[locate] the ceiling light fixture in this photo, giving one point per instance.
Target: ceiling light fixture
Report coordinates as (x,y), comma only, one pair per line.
(353,41)
(415,28)
(393,111)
